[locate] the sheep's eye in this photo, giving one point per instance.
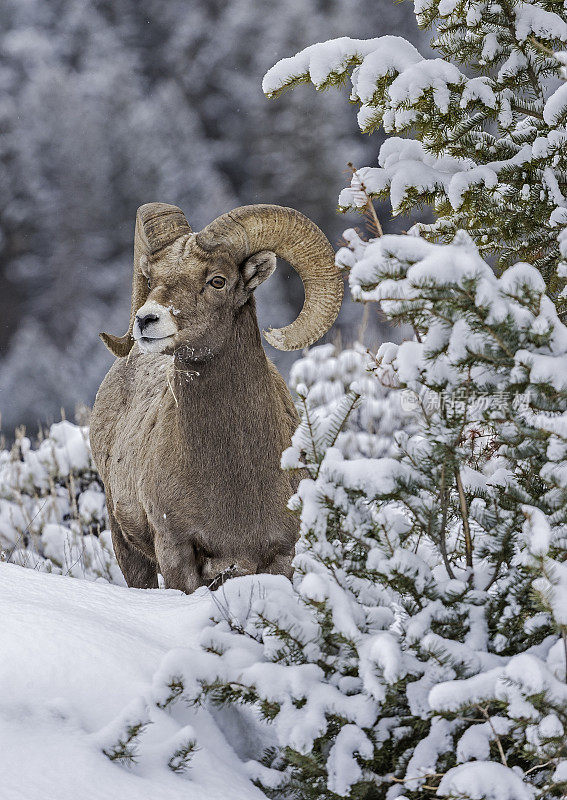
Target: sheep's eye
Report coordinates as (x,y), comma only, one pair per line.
(218,282)
(150,284)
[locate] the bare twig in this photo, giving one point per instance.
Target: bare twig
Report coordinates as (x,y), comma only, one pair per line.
(465,516)
(370,210)
(486,715)
(541,766)
(442,539)
(364,322)
(171,387)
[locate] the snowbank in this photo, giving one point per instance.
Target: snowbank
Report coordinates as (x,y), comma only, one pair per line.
(74,657)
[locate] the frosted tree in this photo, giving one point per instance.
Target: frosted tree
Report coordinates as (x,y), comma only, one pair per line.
(52,506)
(84,143)
(108,105)
(421,648)
(326,377)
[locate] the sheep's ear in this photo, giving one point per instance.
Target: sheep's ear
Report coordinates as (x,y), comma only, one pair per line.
(143,263)
(119,346)
(257,268)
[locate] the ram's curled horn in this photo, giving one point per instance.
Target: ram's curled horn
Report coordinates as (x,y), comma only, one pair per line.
(299,241)
(157,226)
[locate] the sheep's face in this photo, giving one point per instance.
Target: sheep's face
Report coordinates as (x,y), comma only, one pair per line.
(193,302)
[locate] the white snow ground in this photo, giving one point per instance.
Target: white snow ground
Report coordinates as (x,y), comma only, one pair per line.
(73,656)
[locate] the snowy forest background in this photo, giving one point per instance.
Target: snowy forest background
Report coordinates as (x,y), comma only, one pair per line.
(109,104)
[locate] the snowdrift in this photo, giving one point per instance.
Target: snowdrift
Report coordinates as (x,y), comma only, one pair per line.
(76,658)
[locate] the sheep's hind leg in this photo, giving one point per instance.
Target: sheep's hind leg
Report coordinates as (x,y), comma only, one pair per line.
(139,572)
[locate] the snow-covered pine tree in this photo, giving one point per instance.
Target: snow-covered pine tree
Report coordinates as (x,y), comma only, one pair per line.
(421,649)
(483,145)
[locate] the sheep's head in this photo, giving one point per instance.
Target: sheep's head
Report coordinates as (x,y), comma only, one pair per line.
(188,288)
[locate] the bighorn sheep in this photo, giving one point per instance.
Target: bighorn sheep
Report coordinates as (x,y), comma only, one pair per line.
(190,422)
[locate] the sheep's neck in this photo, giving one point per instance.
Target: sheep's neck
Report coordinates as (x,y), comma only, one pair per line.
(228,408)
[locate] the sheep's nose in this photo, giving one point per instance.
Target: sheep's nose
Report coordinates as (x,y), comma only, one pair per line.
(145,319)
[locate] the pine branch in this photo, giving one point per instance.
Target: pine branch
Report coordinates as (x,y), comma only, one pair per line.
(126,747)
(180,759)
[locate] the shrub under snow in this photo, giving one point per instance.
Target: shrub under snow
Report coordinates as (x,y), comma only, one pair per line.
(52,506)
(79,669)
(326,378)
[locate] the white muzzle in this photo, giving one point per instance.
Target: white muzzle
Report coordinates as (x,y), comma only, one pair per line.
(154,327)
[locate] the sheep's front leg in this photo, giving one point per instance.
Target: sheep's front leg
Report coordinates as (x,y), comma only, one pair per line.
(280,565)
(178,564)
(139,572)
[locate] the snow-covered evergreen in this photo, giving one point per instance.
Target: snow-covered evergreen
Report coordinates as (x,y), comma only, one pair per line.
(423,644)
(484,146)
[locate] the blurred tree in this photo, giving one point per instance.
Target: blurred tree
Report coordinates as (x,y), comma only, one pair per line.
(111,103)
